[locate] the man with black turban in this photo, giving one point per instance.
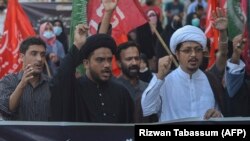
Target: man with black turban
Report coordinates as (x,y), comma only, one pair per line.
(98,98)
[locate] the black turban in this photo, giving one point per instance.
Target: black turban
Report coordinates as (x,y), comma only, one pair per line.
(97,41)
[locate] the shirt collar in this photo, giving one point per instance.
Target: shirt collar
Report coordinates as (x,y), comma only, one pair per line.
(185,75)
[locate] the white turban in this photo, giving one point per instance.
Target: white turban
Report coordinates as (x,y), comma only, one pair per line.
(188,33)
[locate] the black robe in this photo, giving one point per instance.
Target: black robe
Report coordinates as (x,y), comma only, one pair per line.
(78,99)
(239,105)
(108,102)
(62,88)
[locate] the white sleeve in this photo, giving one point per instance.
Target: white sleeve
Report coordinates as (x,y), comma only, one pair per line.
(234,77)
(151,101)
(235,68)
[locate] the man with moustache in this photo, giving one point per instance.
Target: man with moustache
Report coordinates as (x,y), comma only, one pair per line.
(186,91)
(97,97)
(26,95)
(128,59)
(30,96)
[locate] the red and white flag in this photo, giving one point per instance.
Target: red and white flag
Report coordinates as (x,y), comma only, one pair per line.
(16,28)
(127,16)
(223,4)
(211,32)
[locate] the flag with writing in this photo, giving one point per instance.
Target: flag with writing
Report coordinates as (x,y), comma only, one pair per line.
(17,27)
(127,16)
(78,16)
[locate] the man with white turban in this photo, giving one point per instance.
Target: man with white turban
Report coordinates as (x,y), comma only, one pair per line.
(186,91)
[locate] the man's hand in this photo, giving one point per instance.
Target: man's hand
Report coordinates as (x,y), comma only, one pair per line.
(27,75)
(238,44)
(212,113)
(220,19)
(164,66)
(80,35)
(109,5)
(53,57)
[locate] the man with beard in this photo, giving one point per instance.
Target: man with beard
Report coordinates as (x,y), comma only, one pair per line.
(25,95)
(97,97)
(128,59)
(186,91)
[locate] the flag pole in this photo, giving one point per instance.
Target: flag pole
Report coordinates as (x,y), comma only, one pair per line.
(163,43)
(47,69)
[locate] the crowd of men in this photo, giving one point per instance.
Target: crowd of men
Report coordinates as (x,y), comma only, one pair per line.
(185,91)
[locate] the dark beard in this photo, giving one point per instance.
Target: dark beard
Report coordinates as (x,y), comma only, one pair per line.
(126,71)
(95,77)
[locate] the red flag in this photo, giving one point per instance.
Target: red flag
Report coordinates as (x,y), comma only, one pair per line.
(116,70)
(223,4)
(212,33)
(16,28)
(245,5)
(127,16)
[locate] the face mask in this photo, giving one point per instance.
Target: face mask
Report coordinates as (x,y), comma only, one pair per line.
(149,2)
(57,30)
(196,22)
(153,19)
(48,34)
(176,24)
(2,8)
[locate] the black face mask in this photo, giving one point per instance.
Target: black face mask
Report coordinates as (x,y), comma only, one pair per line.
(149,2)
(204,63)
(176,25)
(2,8)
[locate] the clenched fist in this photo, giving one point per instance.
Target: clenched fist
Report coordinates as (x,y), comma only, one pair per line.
(164,66)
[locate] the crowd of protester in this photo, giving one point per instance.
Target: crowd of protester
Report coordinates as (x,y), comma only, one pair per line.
(150,87)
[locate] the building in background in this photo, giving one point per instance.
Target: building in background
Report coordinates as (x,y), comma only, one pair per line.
(48,11)
(45,0)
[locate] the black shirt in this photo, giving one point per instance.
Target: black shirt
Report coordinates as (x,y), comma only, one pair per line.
(108,102)
(79,99)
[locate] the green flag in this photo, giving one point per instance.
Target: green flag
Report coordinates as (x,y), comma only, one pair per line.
(78,16)
(235,18)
